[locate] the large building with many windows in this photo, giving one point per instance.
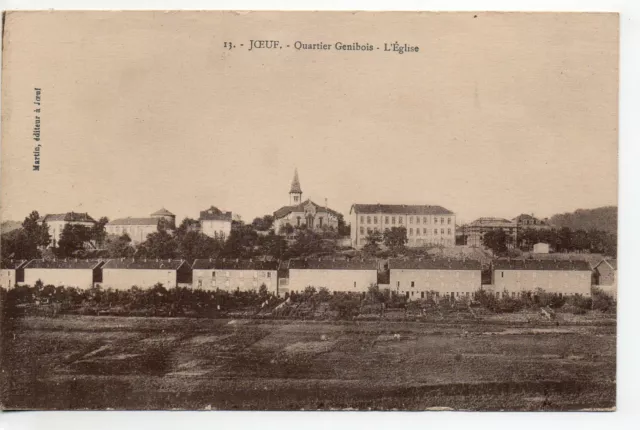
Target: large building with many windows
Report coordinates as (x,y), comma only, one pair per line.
(425,224)
(139,228)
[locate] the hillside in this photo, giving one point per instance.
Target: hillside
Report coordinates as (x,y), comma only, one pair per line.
(604,218)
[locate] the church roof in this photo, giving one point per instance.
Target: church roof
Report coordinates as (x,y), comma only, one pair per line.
(286,210)
(295,184)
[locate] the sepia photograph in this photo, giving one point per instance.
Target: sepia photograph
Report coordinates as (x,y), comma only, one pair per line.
(318,211)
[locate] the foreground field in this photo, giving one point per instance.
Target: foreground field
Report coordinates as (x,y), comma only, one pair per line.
(75,362)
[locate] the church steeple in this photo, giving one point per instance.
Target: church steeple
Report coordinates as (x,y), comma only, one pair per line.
(295,194)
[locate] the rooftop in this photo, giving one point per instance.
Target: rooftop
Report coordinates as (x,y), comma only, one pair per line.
(67,263)
(134,221)
(143,263)
(400,209)
(213,214)
(545,264)
(286,210)
(234,264)
(68,217)
(435,264)
(333,264)
(162,212)
(11,264)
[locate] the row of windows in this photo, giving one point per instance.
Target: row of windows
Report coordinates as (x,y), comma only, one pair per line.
(534,274)
(255,274)
(425,231)
(213,283)
(425,220)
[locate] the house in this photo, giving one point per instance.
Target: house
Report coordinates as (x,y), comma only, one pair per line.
(215,223)
(64,272)
(425,224)
(434,278)
(124,273)
(541,248)
(308,213)
(476,230)
(232,275)
(524,221)
(11,272)
(563,277)
(139,228)
(57,223)
(605,276)
(345,275)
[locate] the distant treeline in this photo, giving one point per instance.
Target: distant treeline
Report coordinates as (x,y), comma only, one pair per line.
(604,218)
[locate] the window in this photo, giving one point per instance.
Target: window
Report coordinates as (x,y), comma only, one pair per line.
(354,284)
(399,220)
(298,221)
(410,220)
(435,220)
(441,220)
(449,231)
(320,221)
(412,293)
(413,283)
(435,231)
(268,274)
(424,220)
(502,274)
(411,232)
(368,220)
(442,231)
(199,282)
(361,230)
(361,219)
(424,231)
(368,230)
(386,220)
(213,274)
(457,294)
(375,220)
(422,294)
(393,220)
(417,232)
(417,220)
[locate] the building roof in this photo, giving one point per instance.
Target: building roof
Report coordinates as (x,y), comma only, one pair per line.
(333,264)
(12,264)
(519,264)
(492,222)
(611,262)
(214,214)
(144,263)
(68,263)
(68,217)
(295,184)
(162,212)
(435,264)
(134,221)
(232,264)
(400,209)
(286,210)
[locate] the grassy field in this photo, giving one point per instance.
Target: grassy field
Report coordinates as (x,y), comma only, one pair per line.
(73,362)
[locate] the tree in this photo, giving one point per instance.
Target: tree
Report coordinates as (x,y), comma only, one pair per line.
(286,229)
(263,224)
(580,240)
(194,244)
(373,243)
(72,239)
(396,237)
(273,245)
(242,241)
(563,239)
(159,244)
(343,229)
(98,232)
(119,246)
(496,241)
(187,225)
(37,233)
(307,242)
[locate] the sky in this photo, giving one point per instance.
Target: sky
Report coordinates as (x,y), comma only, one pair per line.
(496,115)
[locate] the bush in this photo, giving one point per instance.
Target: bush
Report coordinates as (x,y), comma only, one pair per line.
(603,301)
(347,305)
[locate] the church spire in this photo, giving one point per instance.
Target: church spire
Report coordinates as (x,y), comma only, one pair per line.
(295,194)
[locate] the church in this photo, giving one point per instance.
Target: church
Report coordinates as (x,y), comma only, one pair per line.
(299,213)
